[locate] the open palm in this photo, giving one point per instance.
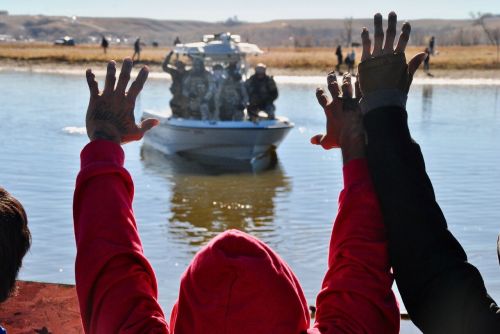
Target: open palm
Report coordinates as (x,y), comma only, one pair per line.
(110,114)
(343,119)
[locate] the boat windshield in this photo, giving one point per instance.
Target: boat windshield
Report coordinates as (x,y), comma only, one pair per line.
(223,49)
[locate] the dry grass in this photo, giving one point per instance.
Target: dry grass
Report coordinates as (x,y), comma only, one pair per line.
(448,58)
(73,55)
(321,59)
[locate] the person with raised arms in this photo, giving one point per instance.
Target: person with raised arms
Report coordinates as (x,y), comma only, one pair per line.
(442,291)
(235,283)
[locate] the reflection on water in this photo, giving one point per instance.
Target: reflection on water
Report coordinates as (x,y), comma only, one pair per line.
(205,202)
(496,104)
(427,102)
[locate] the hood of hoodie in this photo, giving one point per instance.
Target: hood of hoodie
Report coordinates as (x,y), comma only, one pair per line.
(238,285)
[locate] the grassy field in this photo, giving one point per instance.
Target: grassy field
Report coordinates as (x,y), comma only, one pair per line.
(448,58)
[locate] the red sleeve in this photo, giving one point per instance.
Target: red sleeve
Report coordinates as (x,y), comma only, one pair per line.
(356,295)
(115,283)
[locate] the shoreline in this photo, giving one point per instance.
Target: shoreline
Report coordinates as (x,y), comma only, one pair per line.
(54,306)
(312,76)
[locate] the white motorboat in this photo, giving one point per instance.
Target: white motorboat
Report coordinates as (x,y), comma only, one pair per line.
(219,142)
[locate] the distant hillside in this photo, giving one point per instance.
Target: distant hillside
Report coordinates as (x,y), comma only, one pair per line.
(301,33)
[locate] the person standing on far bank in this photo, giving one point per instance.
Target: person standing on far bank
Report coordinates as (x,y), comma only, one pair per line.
(340,58)
(432,43)
(104,44)
(137,49)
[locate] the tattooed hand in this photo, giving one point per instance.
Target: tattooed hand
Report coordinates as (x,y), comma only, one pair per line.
(110,114)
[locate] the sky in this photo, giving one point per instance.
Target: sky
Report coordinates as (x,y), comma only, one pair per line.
(251,10)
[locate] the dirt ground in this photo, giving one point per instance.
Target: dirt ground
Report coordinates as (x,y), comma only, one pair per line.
(47,308)
(41,308)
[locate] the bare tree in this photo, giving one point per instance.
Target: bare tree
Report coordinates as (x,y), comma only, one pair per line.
(346,34)
(493,34)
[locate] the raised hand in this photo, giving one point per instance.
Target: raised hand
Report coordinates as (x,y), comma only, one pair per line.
(343,119)
(385,67)
(110,114)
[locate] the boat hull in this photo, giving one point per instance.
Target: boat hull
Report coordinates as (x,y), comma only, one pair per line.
(242,141)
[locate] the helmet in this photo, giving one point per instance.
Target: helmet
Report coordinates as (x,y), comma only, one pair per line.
(260,68)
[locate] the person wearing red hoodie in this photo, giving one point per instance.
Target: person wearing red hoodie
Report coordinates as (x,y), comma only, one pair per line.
(236,284)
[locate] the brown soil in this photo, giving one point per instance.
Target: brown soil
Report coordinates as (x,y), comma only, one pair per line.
(38,305)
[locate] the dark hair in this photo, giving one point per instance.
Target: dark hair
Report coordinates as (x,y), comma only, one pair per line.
(15,240)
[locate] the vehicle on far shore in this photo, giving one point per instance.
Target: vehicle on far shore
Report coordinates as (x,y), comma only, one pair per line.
(65,41)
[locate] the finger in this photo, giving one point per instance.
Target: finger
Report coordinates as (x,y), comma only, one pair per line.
(316,140)
(148,124)
(346,77)
(347,86)
(93,86)
(334,89)
(403,38)
(367,44)
(357,88)
(321,140)
(109,84)
(413,66)
(379,35)
(138,84)
(347,90)
(331,78)
(391,33)
(124,76)
(322,98)
(415,63)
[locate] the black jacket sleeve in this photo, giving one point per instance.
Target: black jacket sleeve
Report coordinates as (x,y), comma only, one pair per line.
(442,292)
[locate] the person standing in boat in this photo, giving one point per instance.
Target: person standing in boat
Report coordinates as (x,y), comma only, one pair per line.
(218,77)
(232,68)
(178,103)
(231,99)
(198,87)
(262,92)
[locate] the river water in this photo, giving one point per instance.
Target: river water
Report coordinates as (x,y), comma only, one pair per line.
(180,206)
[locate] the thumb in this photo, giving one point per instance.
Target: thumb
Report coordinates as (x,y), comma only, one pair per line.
(357,88)
(322,140)
(415,63)
(148,124)
(316,140)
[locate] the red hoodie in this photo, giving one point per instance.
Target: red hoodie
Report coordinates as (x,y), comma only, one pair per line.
(234,285)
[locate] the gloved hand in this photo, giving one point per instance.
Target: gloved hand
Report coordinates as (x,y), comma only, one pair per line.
(384,75)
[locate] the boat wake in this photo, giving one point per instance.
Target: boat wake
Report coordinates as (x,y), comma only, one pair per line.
(74,130)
